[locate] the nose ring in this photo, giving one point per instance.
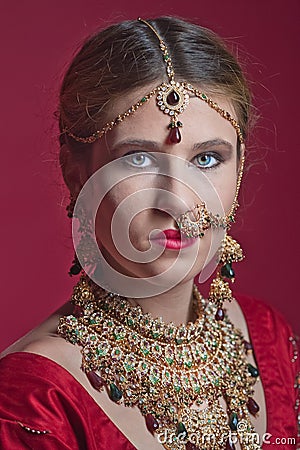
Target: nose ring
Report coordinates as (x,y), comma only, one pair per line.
(194,222)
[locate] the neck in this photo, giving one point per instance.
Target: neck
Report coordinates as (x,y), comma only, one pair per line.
(175,305)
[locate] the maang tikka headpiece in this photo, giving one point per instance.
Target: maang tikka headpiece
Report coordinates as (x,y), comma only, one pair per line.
(172,98)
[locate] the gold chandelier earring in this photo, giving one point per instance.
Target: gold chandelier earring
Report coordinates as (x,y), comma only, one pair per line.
(220,291)
(86,254)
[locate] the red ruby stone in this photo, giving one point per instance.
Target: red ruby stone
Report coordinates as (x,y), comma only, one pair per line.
(247,345)
(219,314)
(252,406)
(78,311)
(96,381)
(174,136)
(229,445)
(151,423)
(173,98)
(191,446)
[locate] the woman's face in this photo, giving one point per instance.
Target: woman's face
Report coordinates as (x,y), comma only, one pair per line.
(155,184)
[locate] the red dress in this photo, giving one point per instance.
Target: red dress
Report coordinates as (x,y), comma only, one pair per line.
(42,407)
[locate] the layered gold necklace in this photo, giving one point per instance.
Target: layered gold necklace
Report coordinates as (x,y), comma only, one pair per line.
(175,375)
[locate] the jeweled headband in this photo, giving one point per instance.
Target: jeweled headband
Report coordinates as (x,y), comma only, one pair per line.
(172,98)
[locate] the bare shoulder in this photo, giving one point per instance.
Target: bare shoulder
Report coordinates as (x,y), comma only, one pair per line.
(44,340)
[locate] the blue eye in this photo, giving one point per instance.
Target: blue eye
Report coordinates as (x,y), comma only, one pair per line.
(139,159)
(207,161)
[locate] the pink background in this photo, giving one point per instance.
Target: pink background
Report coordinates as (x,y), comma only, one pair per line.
(38,39)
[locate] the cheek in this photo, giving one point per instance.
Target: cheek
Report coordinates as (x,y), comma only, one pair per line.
(116,215)
(225,185)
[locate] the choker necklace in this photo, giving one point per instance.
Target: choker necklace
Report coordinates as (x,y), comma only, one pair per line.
(175,375)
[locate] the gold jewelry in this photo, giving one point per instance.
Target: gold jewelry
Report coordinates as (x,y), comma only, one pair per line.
(220,291)
(174,374)
(194,222)
(87,252)
(172,98)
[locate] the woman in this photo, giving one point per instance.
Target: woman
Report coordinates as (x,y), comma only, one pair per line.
(166,100)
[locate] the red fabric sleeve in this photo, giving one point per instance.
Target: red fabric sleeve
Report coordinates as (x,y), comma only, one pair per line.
(270,336)
(39,394)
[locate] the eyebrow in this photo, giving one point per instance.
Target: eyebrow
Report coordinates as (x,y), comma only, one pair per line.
(154,146)
(214,142)
(150,145)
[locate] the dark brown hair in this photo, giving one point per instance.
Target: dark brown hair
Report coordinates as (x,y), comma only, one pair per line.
(127,56)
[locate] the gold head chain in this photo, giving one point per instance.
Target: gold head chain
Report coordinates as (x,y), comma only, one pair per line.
(172,98)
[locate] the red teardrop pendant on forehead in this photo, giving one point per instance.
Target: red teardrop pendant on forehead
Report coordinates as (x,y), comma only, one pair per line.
(173,98)
(174,136)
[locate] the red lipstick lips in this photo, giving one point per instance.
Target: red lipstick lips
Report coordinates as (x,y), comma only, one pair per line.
(173,240)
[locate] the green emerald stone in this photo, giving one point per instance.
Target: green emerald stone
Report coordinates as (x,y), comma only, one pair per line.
(129,322)
(197,389)
(170,360)
(153,379)
(166,57)
(178,341)
(157,348)
(227,271)
(181,430)
(155,334)
(118,337)
(129,368)
(254,372)
(145,351)
(114,393)
(143,100)
(203,96)
(177,388)
(233,421)
(101,352)
(188,364)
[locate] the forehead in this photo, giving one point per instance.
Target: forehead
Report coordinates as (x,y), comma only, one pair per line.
(200,122)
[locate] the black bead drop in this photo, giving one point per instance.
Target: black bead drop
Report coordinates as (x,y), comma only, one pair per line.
(233,421)
(254,372)
(114,393)
(227,271)
(75,269)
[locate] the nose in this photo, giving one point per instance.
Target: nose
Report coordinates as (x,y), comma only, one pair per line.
(173,196)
